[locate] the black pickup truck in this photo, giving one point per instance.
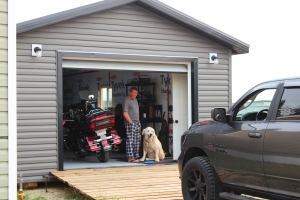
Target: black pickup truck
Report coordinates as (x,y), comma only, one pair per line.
(252,149)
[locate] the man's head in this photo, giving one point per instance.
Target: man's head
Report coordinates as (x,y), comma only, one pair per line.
(133,92)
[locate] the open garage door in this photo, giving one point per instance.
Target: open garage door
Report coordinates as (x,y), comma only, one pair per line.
(71,67)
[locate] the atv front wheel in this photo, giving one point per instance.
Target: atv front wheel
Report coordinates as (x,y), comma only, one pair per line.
(79,153)
(103,156)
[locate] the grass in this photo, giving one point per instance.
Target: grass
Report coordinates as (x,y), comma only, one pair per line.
(105,197)
(27,197)
(68,193)
(76,195)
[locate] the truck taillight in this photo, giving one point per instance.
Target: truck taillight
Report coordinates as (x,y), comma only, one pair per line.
(63,123)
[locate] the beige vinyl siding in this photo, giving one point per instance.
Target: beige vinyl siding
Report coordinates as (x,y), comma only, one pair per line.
(3,30)
(127,29)
(3,102)
(214,87)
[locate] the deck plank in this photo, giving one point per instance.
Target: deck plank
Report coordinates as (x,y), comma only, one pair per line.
(158,182)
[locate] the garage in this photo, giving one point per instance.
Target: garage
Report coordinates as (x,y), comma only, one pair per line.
(89,77)
(112,44)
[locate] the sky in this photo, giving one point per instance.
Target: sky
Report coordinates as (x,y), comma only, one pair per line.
(270,27)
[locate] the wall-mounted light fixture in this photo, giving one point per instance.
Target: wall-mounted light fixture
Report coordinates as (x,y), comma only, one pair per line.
(36,50)
(213,58)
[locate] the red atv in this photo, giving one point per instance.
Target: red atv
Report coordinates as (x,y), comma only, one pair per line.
(90,131)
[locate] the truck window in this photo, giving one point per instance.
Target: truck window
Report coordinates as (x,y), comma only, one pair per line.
(258,101)
(289,106)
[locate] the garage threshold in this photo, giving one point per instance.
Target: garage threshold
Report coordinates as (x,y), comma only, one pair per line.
(116,160)
(155,181)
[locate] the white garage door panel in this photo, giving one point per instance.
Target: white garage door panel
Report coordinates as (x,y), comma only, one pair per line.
(105,65)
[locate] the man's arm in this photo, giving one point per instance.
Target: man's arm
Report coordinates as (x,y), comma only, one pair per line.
(127,117)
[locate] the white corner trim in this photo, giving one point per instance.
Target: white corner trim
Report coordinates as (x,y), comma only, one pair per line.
(189,74)
(12,102)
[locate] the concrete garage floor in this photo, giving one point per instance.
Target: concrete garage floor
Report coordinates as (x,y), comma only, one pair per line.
(116,160)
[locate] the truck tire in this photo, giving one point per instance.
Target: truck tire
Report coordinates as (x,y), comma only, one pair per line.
(198,180)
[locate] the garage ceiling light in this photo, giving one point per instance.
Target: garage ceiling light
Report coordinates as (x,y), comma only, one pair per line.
(213,58)
(36,50)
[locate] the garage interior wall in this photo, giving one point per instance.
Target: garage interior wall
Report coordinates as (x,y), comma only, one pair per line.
(127,29)
(76,81)
(90,80)
(3,102)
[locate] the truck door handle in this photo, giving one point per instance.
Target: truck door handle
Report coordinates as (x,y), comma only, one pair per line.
(254,135)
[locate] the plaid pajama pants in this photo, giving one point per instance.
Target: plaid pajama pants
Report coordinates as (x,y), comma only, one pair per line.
(133,139)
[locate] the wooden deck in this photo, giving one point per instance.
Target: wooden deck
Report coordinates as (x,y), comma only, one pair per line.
(125,183)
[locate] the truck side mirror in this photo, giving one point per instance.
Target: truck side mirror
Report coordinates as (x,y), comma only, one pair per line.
(218,114)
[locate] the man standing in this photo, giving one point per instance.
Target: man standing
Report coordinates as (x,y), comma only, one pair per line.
(132,124)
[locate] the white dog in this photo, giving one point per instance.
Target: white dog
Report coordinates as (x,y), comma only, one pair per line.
(151,146)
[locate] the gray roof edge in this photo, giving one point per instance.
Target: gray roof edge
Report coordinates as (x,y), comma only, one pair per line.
(69,14)
(195,23)
(174,15)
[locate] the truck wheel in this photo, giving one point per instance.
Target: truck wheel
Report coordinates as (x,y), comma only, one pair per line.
(198,180)
(104,156)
